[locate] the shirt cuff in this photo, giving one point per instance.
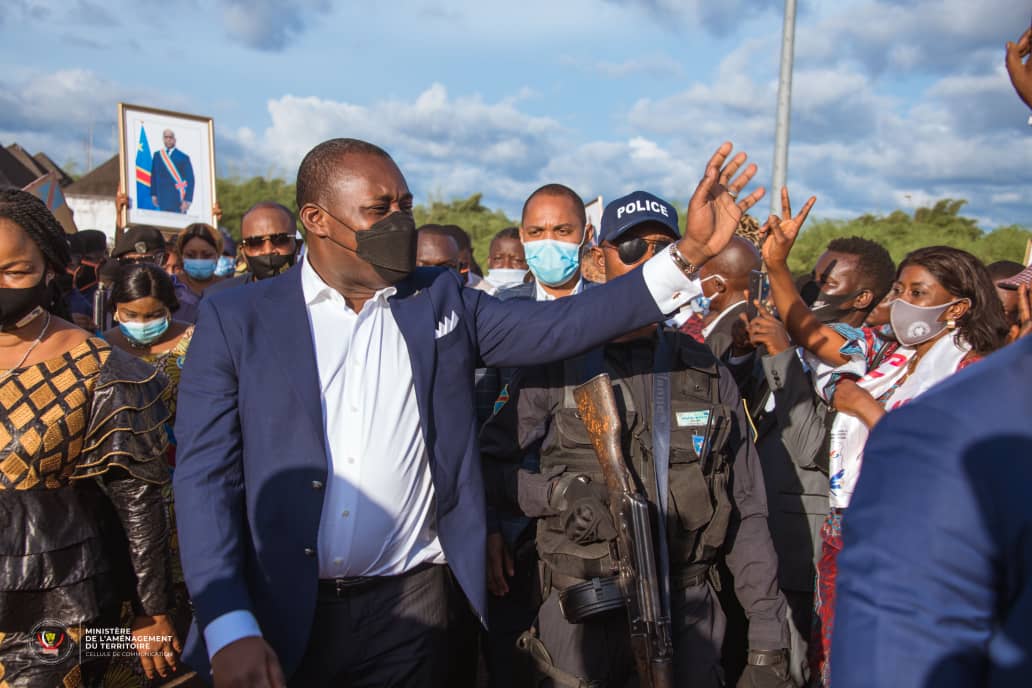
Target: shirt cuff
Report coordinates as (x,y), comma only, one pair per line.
(668,285)
(229,628)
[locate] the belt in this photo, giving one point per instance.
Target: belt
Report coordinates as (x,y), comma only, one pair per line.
(682,581)
(343,587)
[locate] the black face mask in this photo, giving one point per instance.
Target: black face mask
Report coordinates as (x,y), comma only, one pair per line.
(15,304)
(269,264)
(828,308)
(389,246)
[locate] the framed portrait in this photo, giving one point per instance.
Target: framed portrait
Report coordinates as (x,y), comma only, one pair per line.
(593,211)
(166,167)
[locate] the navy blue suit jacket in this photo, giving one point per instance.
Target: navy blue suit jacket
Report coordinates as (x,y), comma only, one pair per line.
(249,428)
(163,185)
(935,574)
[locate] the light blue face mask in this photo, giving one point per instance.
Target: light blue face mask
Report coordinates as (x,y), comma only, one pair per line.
(225,267)
(145,332)
(199,268)
(700,305)
(552,262)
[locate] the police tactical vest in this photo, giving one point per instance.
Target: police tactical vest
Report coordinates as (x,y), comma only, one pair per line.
(699,477)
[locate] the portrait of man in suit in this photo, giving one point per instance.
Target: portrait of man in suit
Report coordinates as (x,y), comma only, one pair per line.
(172,177)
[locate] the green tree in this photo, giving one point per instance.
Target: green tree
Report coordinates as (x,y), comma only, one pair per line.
(237,195)
(900,233)
(479,221)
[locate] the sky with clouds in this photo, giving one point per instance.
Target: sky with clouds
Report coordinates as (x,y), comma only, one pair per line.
(895,103)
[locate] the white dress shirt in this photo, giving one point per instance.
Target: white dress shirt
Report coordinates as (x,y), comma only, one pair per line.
(378,514)
(541,295)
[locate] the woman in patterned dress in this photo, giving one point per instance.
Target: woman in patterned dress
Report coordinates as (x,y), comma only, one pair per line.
(143,301)
(81,471)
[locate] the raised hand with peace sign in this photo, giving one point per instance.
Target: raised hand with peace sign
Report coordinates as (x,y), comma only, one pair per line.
(782,231)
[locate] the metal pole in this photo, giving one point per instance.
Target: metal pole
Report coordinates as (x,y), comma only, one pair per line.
(784,108)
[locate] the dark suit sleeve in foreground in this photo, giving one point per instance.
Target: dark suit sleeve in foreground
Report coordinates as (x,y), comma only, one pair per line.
(209,478)
(915,591)
(519,333)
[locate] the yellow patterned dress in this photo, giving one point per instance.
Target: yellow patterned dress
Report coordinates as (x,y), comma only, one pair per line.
(82,448)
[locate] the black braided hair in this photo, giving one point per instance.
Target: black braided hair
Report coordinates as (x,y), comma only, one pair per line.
(31,214)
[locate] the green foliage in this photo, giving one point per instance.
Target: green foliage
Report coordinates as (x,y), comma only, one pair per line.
(237,195)
(481,222)
(900,233)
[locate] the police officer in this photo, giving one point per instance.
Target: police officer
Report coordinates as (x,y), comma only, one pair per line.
(716,499)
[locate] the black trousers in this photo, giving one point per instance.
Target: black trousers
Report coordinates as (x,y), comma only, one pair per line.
(599,649)
(408,631)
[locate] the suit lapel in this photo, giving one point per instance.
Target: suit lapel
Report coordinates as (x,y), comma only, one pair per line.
(413,310)
(285,325)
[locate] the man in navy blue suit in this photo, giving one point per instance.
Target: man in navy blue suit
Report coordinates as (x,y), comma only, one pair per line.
(935,576)
(328,483)
(172,177)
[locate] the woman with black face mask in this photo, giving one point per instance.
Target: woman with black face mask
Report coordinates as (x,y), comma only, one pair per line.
(944,314)
(81,470)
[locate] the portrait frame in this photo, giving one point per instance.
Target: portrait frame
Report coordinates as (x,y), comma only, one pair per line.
(161,182)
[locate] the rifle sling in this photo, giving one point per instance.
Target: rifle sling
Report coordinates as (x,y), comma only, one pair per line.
(661,413)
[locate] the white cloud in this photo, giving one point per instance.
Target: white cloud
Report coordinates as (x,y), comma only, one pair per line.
(445,145)
(269,24)
(935,36)
(716,17)
(54,112)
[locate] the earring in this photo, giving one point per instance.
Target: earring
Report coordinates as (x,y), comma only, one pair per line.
(951,324)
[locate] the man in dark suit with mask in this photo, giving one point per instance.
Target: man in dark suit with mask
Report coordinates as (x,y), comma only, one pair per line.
(345,552)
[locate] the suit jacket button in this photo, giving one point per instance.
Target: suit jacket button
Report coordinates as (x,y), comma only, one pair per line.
(317,485)
(309,551)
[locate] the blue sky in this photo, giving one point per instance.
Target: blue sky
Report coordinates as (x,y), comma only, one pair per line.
(895,103)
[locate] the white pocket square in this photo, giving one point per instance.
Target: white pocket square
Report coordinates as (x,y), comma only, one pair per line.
(446,325)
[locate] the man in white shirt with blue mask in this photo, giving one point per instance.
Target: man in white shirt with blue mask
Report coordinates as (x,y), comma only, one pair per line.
(552,228)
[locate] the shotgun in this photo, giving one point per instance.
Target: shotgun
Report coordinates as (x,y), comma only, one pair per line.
(651,639)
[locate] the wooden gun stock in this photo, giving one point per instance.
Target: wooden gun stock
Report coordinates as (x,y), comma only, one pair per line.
(651,639)
(596,404)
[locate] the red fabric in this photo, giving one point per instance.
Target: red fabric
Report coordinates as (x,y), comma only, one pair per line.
(824,600)
(693,328)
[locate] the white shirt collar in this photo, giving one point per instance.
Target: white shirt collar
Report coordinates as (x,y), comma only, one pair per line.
(541,295)
(314,289)
(713,323)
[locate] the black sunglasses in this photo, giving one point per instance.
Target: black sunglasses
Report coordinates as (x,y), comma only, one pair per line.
(633,250)
(279,239)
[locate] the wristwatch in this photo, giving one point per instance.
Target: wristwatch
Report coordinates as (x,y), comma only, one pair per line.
(690,269)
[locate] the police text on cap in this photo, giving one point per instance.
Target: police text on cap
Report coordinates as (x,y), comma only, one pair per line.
(641,207)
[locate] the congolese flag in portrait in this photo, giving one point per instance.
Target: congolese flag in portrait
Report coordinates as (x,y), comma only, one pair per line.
(143,173)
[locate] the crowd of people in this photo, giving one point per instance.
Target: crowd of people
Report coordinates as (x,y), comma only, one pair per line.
(357,459)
